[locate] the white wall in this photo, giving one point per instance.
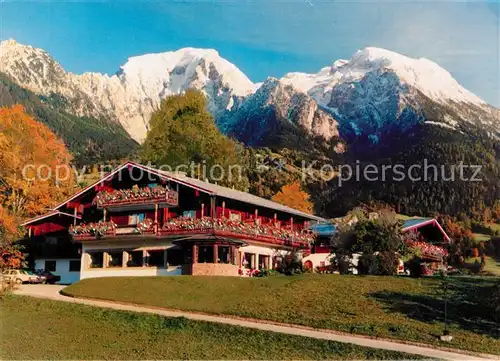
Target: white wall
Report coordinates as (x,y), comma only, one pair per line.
(62,269)
(317,258)
(130,271)
(126,271)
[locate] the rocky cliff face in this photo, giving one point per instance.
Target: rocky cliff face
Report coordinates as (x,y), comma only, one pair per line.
(378,92)
(275,114)
(130,96)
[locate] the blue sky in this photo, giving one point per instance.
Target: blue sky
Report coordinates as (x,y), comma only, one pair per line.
(265,38)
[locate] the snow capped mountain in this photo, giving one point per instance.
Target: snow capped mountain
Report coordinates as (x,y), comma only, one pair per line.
(274,111)
(379,90)
(374,94)
(422,74)
(130,96)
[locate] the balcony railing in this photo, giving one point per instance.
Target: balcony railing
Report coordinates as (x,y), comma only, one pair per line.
(93,229)
(133,196)
(429,250)
(223,227)
(268,233)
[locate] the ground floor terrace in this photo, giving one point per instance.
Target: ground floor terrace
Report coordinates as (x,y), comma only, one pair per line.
(191,256)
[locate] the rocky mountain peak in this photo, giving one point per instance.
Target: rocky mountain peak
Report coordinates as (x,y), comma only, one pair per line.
(370,92)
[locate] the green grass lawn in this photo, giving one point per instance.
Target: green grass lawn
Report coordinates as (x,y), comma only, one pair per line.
(495,226)
(492,265)
(481,237)
(393,307)
(41,329)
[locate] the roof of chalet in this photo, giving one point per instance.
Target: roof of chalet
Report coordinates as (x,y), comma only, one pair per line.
(206,187)
(48,215)
(420,222)
(329,229)
(242,196)
(416,222)
(324,229)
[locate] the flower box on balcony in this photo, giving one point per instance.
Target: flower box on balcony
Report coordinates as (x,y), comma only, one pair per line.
(92,230)
(134,196)
(237,229)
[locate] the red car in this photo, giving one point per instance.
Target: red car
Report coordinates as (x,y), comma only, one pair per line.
(48,277)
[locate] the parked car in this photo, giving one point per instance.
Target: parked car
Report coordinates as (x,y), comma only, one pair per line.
(48,277)
(21,276)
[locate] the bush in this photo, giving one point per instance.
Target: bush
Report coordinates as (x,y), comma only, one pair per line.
(330,269)
(388,263)
(289,267)
(367,264)
(414,267)
(493,247)
(343,266)
(6,288)
(477,267)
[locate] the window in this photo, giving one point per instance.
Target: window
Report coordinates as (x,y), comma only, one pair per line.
(136,218)
(96,259)
(234,216)
(175,257)
(74,265)
(156,258)
(51,240)
(135,259)
(247,260)
(224,254)
(50,266)
(115,259)
(206,254)
(263,261)
(189,214)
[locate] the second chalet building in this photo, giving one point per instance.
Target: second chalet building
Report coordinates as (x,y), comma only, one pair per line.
(140,221)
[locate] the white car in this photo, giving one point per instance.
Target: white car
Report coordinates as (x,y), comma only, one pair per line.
(21,276)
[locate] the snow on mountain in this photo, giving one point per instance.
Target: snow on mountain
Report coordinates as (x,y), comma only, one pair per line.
(275,110)
(131,95)
(422,74)
(378,90)
(374,93)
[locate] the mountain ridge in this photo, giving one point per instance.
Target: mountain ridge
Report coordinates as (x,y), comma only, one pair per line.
(354,93)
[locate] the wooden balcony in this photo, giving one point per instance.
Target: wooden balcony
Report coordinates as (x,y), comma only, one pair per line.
(178,227)
(131,198)
(428,250)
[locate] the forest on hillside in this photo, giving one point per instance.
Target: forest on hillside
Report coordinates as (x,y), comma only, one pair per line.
(182,131)
(90,140)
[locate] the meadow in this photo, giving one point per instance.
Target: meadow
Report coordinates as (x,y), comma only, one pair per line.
(391,307)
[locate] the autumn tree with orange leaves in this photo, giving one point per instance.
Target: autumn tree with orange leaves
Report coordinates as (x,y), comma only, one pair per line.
(292,195)
(30,157)
(10,253)
(462,237)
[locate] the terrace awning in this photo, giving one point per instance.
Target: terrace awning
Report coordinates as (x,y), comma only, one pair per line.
(53,221)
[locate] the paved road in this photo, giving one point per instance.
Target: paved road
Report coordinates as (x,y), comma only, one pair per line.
(52,292)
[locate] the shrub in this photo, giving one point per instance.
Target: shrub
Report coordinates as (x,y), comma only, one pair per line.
(6,288)
(388,263)
(414,267)
(331,268)
(477,267)
(343,265)
(289,267)
(493,247)
(367,264)
(257,273)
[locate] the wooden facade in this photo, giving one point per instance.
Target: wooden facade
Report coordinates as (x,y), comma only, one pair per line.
(137,209)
